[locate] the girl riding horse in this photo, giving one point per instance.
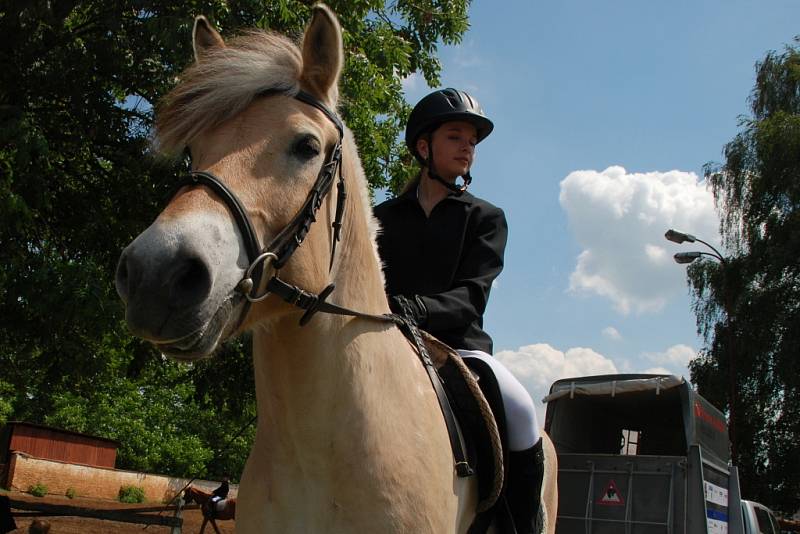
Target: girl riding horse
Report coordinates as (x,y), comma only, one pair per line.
(209,508)
(350,435)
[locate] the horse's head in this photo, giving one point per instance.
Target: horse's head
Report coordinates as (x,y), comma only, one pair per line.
(253,113)
(189,495)
(193,495)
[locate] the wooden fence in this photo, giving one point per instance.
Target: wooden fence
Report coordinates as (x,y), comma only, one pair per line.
(124,515)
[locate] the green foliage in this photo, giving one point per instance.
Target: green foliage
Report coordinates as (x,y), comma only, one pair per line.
(131,494)
(78,182)
(748,308)
(38,490)
(6,407)
(70,493)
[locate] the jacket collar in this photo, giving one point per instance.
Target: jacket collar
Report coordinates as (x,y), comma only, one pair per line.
(410,195)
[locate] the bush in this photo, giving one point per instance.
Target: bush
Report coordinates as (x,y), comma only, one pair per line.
(38,490)
(131,494)
(70,493)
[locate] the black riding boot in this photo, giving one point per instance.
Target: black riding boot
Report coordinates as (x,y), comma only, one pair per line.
(526,471)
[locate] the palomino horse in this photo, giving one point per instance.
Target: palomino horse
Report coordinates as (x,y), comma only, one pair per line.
(350,435)
(192,494)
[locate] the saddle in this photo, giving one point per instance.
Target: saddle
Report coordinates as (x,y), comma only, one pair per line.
(474,395)
(218,506)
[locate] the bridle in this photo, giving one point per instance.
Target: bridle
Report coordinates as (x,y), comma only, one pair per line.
(283,245)
(281,248)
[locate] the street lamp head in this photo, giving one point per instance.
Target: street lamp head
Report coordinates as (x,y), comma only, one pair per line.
(686,257)
(679,237)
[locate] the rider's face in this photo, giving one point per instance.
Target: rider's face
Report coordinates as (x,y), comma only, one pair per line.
(453,148)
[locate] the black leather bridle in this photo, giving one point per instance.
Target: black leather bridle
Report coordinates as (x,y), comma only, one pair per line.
(281,248)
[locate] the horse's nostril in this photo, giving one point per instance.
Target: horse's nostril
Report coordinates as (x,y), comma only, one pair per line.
(191,283)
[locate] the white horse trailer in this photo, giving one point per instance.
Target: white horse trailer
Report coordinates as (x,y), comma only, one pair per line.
(641,454)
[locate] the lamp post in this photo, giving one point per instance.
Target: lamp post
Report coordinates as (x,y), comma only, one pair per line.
(689,257)
(681,237)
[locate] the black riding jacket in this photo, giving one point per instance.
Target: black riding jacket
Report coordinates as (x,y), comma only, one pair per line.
(222,490)
(449,259)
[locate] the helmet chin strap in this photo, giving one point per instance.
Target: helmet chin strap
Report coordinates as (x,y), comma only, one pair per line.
(457,189)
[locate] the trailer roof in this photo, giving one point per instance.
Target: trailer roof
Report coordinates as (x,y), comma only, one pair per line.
(611,385)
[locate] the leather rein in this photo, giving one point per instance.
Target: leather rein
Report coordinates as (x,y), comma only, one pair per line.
(281,248)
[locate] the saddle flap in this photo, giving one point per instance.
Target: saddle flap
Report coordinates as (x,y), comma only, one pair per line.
(475,415)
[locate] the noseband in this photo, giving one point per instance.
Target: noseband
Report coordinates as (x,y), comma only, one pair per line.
(281,248)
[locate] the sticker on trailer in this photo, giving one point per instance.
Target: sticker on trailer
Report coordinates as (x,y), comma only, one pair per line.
(717,526)
(716,508)
(716,494)
(611,496)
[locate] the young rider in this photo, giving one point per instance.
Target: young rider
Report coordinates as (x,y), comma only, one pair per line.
(442,247)
(219,495)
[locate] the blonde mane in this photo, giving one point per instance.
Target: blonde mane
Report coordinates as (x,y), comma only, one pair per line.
(352,167)
(220,86)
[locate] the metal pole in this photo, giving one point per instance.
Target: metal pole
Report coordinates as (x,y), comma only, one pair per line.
(178,513)
(731,350)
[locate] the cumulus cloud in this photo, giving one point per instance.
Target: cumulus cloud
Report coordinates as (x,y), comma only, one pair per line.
(611,333)
(619,219)
(538,366)
(675,359)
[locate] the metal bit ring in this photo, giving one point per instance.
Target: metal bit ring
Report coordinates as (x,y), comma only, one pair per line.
(246,284)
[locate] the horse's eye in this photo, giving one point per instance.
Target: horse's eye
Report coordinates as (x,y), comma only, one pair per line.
(306,147)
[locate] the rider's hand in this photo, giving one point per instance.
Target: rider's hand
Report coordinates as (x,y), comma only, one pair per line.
(412,308)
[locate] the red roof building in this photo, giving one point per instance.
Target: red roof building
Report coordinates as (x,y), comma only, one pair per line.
(52,443)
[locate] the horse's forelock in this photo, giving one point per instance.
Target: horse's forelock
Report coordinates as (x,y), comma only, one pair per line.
(224,83)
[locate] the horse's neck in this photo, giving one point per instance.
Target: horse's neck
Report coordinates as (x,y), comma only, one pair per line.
(306,375)
(347,419)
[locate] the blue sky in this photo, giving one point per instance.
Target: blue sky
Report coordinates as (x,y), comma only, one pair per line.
(605,113)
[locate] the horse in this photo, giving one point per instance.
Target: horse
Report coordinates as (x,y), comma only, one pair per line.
(192,494)
(350,435)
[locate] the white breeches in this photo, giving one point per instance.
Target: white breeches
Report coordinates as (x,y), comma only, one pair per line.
(523,428)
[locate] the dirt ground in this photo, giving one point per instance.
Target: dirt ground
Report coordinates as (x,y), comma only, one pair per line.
(192,518)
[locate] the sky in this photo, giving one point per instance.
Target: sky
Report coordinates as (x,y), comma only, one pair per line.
(605,114)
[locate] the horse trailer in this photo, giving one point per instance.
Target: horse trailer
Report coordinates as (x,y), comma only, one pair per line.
(641,454)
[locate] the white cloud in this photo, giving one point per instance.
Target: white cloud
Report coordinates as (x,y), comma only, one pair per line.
(675,359)
(538,366)
(619,219)
(612,333)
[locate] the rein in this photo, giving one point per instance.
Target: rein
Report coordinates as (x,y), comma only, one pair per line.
(281,248)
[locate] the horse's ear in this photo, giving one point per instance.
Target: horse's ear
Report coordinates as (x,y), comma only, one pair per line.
(205,38)
(322,54)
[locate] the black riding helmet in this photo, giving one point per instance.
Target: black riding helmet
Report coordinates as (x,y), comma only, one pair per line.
(442,106)
(437,108)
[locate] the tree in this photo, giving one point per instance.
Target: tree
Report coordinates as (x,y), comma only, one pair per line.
(748,308)
(78,81)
